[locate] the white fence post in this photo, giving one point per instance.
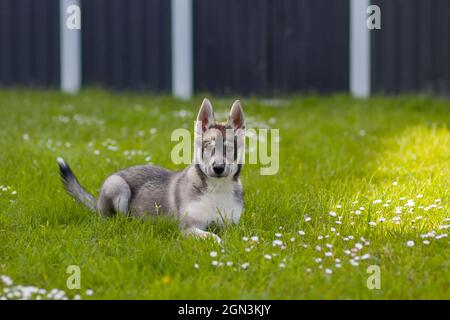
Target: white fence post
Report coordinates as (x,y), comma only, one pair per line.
(359,49)
(70,52)
(182,49)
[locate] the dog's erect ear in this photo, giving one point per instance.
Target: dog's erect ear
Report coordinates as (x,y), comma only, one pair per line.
(206,115)
(236,118)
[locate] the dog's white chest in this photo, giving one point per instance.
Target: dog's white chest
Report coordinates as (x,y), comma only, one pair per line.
(215,206)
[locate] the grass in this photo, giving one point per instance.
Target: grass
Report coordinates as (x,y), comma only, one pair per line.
(333,151)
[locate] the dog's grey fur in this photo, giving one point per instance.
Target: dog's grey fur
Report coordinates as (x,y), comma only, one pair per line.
(197,196)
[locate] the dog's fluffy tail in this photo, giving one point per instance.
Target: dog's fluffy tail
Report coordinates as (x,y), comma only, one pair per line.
(73,187)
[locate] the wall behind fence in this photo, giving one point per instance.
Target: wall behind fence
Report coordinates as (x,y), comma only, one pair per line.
(411,52)
(126,44)
(268,46)
(29,43)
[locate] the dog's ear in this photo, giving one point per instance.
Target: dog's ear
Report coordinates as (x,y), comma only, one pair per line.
(236,118)
(206,115)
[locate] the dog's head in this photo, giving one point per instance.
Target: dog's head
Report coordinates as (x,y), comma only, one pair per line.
(220,146)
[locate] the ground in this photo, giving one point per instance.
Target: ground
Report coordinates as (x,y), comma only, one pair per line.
(361,183)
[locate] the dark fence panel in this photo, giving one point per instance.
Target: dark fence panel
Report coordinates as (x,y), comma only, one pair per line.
(411,52)
(29,40)
(310,45)
(240,46)
(126,44)
(268,46)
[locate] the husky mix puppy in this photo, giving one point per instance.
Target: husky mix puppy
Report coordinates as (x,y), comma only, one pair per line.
(208,191)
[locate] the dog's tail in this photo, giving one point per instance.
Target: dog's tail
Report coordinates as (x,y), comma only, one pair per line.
(73,187)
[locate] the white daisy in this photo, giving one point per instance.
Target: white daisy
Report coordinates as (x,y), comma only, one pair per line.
(410,243)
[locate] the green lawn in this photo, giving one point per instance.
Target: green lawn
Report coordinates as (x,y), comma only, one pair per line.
(337,155)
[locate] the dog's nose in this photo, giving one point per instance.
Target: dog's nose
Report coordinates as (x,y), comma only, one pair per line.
(219,168)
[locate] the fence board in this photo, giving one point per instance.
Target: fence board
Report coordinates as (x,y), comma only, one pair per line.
(29,34)
(268,46)
(411,51)
(126,44)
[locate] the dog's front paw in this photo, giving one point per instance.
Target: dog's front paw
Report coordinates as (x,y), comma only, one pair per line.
(215,237)
(198,233)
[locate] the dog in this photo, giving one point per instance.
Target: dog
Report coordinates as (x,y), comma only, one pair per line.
(209,191)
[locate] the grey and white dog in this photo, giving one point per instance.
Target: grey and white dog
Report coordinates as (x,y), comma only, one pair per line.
(208,191)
